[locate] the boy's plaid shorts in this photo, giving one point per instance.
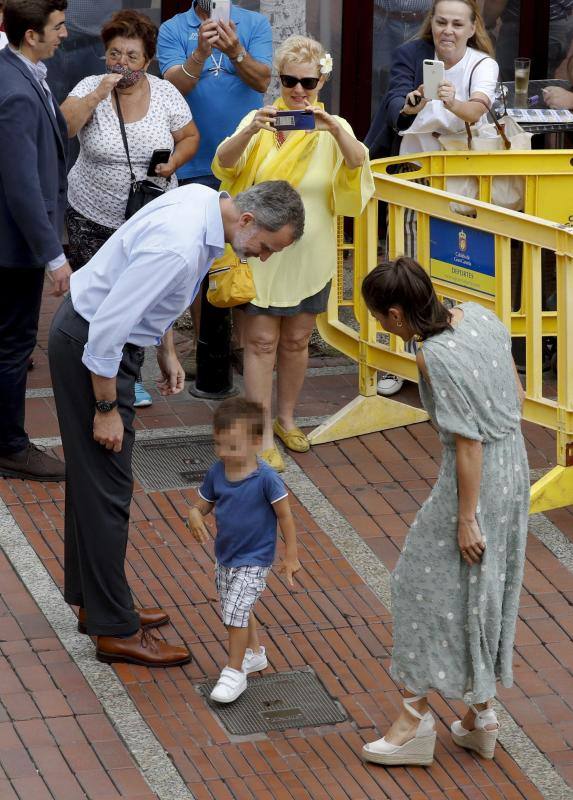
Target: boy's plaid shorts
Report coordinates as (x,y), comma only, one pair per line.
(239,589)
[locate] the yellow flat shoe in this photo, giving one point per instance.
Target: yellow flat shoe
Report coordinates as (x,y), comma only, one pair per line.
(273,458)
(294,439)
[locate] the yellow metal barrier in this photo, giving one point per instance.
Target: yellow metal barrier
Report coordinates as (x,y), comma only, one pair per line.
(509,236)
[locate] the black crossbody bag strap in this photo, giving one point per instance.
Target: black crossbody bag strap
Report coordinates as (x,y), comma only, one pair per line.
(123,134)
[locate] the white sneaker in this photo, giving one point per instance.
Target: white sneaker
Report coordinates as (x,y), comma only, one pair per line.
(389,384)
(254,662)
(230,685)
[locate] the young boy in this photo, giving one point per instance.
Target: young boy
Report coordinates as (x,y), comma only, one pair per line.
(249,498)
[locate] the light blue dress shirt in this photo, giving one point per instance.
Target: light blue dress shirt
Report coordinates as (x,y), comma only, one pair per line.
(147,274)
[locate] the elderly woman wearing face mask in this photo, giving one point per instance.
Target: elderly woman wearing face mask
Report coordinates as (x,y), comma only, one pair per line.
(156,117)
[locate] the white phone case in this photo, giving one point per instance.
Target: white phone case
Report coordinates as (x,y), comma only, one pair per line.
(433,76)
(221,10)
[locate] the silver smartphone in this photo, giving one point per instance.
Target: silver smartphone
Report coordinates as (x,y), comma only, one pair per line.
(433,76)
(221,11)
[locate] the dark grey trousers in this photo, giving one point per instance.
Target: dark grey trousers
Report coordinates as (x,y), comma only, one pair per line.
(99,482)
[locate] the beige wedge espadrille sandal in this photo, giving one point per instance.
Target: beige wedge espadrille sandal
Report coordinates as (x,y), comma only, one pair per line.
(418,751)
(481,740)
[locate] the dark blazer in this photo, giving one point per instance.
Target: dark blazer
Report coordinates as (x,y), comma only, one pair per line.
(33,179)
(405,76)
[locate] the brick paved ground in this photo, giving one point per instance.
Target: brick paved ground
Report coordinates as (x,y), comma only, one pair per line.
(56,742)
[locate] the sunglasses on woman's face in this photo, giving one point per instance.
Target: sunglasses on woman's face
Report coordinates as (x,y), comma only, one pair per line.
(290,81)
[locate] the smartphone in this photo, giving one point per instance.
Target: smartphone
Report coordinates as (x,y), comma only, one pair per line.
(433,76)
(221,11)
(294,121)
(157,157)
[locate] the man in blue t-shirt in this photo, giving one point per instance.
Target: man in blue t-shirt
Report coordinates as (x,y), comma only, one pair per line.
(222,70)
(249,498)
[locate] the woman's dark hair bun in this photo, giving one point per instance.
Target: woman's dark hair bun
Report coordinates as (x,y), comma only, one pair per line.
(404,283)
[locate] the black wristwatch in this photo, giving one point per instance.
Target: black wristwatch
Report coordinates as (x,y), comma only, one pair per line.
(105,406)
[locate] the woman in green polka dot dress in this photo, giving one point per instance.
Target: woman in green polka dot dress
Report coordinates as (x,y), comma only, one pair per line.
(455,590)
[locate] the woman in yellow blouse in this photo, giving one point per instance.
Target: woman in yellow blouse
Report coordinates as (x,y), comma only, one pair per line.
(331,171)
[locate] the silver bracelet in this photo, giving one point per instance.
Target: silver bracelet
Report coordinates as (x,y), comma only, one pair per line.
(189,75)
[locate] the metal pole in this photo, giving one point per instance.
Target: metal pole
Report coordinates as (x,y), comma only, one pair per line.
(214,377)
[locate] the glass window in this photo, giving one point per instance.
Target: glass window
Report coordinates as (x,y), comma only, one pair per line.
(560,38)
(395,22)
(81,54)
(502,20)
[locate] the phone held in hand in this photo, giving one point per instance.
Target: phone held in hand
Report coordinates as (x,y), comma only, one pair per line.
(414,100)
(433,76)
(221,11)
(157,157)
(294,121)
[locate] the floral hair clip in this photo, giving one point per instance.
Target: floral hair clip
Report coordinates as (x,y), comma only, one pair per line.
(326,64)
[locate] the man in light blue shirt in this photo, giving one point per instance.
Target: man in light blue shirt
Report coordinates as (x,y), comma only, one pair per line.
(222,70)
(126,298)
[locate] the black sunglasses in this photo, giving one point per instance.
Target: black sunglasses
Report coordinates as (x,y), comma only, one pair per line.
(289,82)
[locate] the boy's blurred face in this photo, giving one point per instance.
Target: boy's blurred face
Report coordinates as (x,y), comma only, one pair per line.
(237,444)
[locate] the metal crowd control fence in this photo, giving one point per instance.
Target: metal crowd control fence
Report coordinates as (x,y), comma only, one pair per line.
(497,258)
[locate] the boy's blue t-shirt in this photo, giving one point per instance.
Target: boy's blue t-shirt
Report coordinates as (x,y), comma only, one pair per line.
(246,519)
(221,98)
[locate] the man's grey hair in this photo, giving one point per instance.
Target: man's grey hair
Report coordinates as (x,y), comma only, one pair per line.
(273,205)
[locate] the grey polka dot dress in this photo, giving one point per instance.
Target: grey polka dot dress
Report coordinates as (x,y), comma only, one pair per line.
(454,625)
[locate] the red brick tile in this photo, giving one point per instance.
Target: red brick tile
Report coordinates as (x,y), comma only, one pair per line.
(130,783)
(545,737)
(52,703)
(65,730)
(20,706)
(64,786)
(32,787)
(96,783)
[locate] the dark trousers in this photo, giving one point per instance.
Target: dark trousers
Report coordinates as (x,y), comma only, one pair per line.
(20,299)
(99,482)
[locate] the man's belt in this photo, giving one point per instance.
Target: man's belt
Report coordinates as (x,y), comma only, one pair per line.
(406,16)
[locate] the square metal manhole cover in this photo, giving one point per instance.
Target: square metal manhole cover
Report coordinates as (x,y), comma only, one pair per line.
(277,702)
(172,462)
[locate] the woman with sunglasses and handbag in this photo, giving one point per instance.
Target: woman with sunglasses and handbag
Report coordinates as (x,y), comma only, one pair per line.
(330,169)
(151,114)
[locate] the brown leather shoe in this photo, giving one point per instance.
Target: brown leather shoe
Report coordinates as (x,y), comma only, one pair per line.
(34,464)
(148,618)
(142,648)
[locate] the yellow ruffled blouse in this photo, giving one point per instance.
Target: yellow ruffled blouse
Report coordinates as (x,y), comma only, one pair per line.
(328,189)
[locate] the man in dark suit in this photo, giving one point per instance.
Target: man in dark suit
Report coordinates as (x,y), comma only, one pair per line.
(33,142)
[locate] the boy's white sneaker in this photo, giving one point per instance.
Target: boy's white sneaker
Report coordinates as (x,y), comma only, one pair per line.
(230,685)
(253,662)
